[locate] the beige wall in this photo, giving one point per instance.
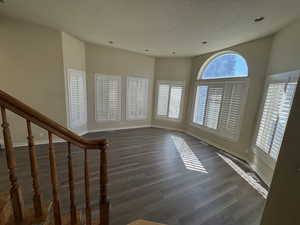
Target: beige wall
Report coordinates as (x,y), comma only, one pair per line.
(112,61)
(284,57)
(283,202)
(256,53)
(31,69)
(172,69)
(286,50)
(73,58)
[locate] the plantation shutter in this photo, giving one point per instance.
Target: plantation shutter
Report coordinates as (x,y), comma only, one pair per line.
(108,98)
(213,106)
(175,101)
(231,109)
(274,118)
(137,98)
(163,99)
(219,107)
(77,98)
(200,104)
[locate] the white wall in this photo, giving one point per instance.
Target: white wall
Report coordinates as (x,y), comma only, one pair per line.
(31,70)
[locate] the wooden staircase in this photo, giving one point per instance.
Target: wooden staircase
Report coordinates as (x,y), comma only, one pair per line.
(12,209)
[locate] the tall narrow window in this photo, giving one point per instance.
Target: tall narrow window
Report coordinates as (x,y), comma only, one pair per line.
(108,97)
(278,102)
(169,99)
(137,98)
(77,98)
(219,103)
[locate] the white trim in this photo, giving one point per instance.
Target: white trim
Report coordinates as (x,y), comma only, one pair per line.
(118,128)
(168,128)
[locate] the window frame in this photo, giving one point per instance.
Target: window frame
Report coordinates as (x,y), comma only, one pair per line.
(210,59)
(219,83)
(171,84)
(127,117)
(68,99)
(118,77)
(292,76)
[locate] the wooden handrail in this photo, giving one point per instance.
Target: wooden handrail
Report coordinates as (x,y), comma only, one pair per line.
(8,102)
(43,121)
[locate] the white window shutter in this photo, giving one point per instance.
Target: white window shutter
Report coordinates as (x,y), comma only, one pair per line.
(108,97)
(219,107)
(200,105)
(269,116)
(232,104)
(213,106)
(137,98)
(77,98)
(163,99)
(283,115)
(175,102)
(274,117)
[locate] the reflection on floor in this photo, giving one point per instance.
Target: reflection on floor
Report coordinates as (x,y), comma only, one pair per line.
(253,182)
(190,160)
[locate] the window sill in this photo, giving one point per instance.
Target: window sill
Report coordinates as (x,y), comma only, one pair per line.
(168,119)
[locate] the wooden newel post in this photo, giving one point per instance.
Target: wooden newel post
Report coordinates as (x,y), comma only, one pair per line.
(104,202)
(15,191)
(37,202)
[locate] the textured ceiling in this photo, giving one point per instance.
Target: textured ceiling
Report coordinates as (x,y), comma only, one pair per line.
(162,26)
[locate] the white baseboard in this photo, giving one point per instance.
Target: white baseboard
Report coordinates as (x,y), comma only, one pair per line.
(118,128)
(168,128)
(36,142)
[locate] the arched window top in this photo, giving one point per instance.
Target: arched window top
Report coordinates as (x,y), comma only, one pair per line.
(224,65)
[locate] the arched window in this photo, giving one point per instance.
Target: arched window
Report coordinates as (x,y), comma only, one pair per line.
(219,103)
(224,65)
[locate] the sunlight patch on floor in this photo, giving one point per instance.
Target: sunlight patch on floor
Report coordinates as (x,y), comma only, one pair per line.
(190,160)
(257,186)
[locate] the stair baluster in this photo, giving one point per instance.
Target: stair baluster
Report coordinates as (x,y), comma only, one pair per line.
(15,191)
(37,202)
(56,204)
(104,203)
(88,212)
(73,210)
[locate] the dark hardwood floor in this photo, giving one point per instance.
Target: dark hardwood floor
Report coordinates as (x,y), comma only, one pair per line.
(154,174)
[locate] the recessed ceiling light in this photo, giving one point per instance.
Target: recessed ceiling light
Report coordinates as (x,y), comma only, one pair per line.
(111,42)
(204,42)
(259,19)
